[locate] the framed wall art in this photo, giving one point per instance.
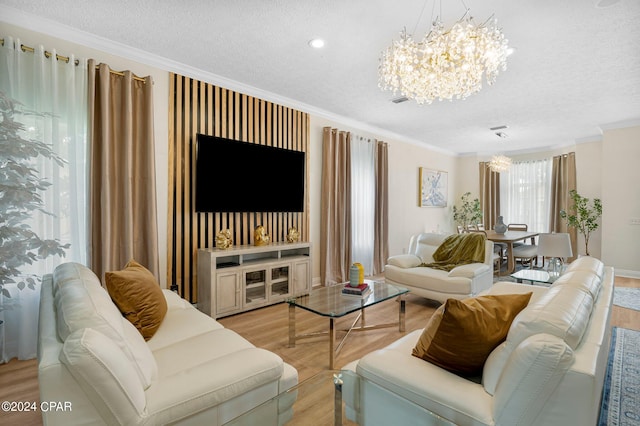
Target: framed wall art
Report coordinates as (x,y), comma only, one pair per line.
(433,188)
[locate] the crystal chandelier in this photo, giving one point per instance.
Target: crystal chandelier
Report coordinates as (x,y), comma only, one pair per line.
(447,63)
(500,163)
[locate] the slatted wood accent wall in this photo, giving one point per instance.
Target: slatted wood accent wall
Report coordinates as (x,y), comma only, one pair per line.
(197,107)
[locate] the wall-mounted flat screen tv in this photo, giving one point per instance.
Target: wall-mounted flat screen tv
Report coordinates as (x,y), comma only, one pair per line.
(234,176)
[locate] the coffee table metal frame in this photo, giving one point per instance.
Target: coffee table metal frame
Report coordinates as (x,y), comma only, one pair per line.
(330,302)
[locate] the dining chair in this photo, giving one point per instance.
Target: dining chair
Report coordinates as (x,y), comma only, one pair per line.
(520,227)
(526,253)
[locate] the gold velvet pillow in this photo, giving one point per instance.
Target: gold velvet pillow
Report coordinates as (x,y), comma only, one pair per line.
(462,333)
(137,294)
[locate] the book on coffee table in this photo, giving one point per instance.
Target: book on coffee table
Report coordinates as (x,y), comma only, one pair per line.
(361,290)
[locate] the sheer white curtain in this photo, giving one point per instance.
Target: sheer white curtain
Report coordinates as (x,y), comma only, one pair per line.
(525,194)
(58,90)
(363,201)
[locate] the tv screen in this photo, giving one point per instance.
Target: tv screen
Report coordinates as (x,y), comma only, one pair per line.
(233,176)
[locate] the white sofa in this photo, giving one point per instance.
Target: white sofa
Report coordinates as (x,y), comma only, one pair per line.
(549,371)
(96,364)
(461,282)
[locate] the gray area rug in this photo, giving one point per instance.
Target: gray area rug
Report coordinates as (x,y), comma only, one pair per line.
(621,395)
(627,297)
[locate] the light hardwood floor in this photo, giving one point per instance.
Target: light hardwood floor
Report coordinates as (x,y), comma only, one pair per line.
(268,328)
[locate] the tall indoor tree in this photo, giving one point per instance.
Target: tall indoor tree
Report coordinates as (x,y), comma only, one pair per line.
(21,186)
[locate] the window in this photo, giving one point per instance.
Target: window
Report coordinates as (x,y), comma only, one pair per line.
(525,194)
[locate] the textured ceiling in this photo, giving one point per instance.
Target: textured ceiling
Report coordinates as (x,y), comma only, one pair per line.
(576,68)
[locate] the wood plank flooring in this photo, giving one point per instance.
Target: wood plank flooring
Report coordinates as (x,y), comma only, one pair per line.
(268,328)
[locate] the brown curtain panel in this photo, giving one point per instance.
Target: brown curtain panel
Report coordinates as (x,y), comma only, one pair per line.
(381,217)
(563,180)
(122,183)
(335,220)
(489,195)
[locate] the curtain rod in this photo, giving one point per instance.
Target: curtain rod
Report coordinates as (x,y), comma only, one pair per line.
(121,73)
(48,55)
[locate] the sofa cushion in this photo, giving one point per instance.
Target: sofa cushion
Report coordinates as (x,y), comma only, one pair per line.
(105,374)
(562,311)
(583,279)
(425,252)
(180,325)
(70,271)
(404,261)
(211,383)
(471,270)
(432,279)
(461,334)
(534,370)
(139,297)
(80,304)
(587,263)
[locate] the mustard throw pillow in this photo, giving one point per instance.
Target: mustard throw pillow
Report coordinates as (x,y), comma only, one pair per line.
(462,333)
(137,294)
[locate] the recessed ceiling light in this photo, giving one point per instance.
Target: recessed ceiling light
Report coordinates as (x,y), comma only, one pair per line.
(606,3)
(501,127)
(399,99)
(316,43)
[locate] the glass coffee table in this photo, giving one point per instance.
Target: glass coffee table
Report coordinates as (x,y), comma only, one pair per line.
(330,302)
(318,401)
(535,276)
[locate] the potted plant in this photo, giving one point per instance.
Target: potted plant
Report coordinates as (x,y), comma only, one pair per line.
(469,212)
(20,196)
(583,216)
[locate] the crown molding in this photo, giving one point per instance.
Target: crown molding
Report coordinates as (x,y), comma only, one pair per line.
(55,29)
(635,122)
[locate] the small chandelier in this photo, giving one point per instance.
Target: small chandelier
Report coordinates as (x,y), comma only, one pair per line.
(447,63)
(500,163)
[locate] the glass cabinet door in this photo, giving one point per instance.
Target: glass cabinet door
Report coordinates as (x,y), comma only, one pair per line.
(280,281)
(255,286)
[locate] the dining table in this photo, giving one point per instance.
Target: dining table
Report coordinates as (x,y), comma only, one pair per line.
(508,238)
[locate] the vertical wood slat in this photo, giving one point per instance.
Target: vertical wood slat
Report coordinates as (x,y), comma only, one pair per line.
(198,107)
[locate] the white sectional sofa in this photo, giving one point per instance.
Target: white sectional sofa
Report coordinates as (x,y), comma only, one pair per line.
(461,282)
(549,371)
(192,371)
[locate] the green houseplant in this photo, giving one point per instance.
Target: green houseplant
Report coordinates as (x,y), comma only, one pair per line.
(583,216)
(468,213)
(21,187)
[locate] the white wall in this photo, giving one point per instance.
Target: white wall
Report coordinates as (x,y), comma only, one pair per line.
(620,159)
(589,174)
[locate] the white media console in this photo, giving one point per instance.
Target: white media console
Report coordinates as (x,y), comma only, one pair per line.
(248,277)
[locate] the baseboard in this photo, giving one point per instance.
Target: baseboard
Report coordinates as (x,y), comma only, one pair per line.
(627,273)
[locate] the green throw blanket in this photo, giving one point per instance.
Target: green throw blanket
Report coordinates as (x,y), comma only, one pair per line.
(458,249)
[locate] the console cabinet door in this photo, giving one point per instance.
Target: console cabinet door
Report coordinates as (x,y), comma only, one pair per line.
(302,277)
(280,282)
(228,292)
(255,286)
